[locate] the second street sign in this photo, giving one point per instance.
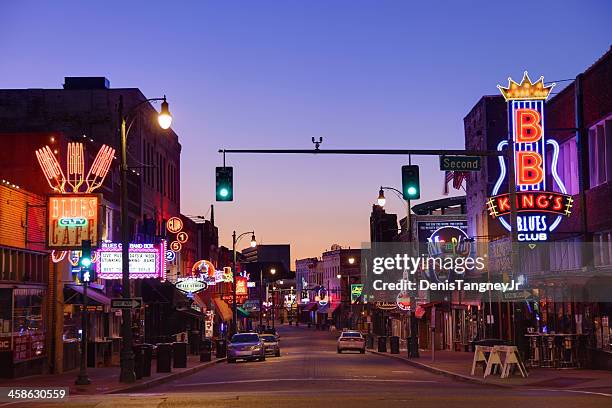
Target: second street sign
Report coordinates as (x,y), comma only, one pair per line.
(460,163)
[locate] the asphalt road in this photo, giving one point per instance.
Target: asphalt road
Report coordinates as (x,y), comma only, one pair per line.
(310,373)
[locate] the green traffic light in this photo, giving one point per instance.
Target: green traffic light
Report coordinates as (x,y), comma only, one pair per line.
(224,192)
(85,262)
(412,191)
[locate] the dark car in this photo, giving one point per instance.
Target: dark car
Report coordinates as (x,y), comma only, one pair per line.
(247,346)
(271,344)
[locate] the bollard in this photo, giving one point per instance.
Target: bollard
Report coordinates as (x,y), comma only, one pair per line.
(206,350)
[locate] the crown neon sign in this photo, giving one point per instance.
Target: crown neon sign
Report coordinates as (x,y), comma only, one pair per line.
(534,204)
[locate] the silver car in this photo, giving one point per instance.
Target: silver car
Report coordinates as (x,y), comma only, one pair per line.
(247,346)
(271,344)
(351,340)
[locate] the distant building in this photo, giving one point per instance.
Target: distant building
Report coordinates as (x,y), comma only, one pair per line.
(383,226)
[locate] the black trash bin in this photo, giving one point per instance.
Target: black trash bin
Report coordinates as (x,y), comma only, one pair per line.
(164,357)
(221,346)
(194,342)
(370,341)
(143,354)
(138,361)
(147,357)
(205,350)
(395,344)
(179,351)
(382,344)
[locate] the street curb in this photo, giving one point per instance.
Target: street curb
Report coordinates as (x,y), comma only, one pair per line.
(439,371)
(166,378)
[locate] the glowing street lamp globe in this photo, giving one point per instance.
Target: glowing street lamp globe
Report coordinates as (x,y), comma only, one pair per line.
(164,118)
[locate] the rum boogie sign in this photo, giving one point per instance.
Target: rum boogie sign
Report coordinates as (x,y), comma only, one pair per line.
(72,218)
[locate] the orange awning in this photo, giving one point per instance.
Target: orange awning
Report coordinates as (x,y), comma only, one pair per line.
(223,309)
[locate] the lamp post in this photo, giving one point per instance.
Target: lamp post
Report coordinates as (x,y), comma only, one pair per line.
(235,240)
(164,118)
(413,347)
(261,294)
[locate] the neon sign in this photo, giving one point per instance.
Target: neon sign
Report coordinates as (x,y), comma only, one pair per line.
(72,218)
(146,261)
(539,211)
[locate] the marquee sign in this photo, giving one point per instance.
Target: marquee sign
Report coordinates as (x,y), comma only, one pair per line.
(146,261)
(539,211)
(72,218)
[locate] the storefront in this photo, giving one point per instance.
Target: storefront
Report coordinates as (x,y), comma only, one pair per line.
(23,333)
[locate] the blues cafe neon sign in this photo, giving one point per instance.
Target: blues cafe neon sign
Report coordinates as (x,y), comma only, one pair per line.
(539,211)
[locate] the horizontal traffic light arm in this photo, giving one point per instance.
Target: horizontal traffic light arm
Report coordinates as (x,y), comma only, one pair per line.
(481,153)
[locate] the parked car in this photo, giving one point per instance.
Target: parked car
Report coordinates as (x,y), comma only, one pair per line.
(351,340)
(247,346)
(271,345)
(272,331)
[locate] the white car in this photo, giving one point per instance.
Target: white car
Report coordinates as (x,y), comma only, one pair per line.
(351,340)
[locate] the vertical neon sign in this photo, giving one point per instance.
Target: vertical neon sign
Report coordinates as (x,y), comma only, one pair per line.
(539,211)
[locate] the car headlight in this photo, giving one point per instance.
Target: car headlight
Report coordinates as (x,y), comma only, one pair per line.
(255,348)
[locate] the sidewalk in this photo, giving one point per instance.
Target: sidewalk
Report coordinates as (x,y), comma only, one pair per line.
(459,365)
(106,380)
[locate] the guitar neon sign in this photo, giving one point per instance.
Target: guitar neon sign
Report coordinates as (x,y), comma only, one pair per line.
(539,211)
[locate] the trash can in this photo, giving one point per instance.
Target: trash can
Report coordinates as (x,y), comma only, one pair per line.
(382,344)
(370,341)
(179,350)
(143,354)
(138,361)
(164,357)
(221,346)
(395,344)
(205,350)
(194,342)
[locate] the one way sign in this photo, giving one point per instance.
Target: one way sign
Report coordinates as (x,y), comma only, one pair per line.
(129,303)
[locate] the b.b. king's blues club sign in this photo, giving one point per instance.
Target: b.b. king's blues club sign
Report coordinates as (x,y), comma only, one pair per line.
(539,211)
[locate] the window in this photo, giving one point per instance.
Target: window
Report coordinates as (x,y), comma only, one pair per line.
(566,255)
(567,167)
(600,152)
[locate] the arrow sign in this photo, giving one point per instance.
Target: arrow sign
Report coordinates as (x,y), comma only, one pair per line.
(129,303)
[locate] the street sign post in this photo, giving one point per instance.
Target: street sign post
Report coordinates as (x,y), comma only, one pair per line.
(460,163)
(128,303)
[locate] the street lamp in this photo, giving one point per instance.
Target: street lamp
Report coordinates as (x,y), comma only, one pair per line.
(261,293)
(164,119)
(413,346)
(235,240)
(351,260)
(381,197)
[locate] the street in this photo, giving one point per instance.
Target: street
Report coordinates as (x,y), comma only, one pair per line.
(310,373)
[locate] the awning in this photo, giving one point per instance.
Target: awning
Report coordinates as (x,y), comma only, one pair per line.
(332,308)
(199,300)
(223,309)
(311,307)
(76,297)
(242,312)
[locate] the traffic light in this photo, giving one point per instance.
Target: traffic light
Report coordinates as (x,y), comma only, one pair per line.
(410,182)
(224,183)
(87,274)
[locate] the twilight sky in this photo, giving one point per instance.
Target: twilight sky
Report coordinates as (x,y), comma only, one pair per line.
(262,74)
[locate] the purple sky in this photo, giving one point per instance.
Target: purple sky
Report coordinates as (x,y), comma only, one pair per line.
(362,74)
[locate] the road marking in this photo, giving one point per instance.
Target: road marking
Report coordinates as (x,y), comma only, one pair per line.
(402,371)
(262,380)
(602,394)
